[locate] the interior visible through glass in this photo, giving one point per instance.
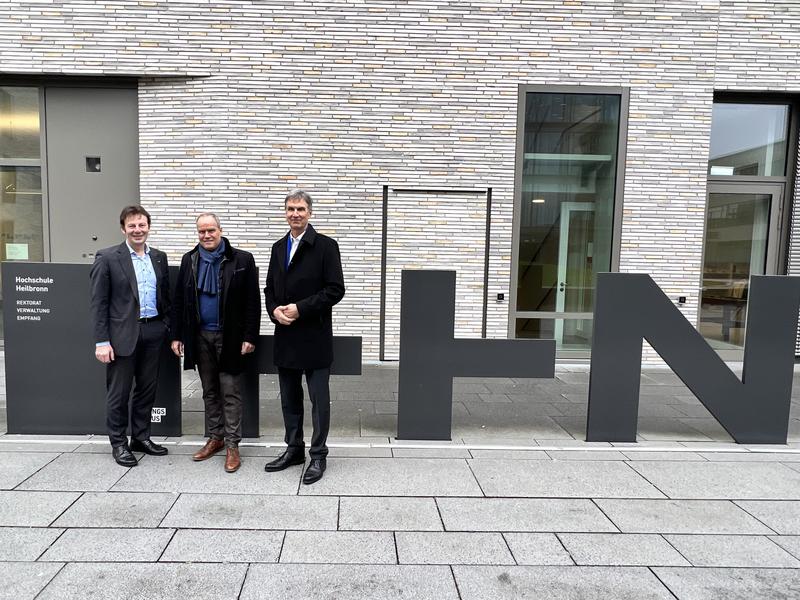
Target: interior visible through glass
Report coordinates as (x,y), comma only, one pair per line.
(735,248)
(567,208)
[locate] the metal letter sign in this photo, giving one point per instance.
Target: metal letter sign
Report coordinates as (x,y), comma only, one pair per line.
(430,357)
(631,307)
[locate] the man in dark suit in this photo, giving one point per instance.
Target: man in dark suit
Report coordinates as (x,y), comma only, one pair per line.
(130,311)
(304,282)
(215,320)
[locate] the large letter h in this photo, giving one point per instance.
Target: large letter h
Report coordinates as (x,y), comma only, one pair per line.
(430,357)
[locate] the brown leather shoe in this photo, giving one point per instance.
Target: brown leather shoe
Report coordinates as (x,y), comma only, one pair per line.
(210,449)
(232,460)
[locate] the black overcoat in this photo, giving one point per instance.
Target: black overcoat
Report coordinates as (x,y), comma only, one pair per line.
(240,308)
(314,282)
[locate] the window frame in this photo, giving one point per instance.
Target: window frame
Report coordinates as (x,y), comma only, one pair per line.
(624,95)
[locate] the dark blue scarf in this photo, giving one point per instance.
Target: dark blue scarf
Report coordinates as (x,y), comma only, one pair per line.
(208,269)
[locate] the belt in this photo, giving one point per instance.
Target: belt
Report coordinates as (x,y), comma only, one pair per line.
(148,319)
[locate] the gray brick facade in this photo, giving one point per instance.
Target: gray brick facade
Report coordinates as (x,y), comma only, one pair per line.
(241,101)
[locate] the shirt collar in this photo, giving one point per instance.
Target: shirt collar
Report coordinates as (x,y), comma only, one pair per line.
(299,237)
(146,248)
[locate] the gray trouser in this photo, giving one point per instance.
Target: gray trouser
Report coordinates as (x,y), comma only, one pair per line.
(221,391)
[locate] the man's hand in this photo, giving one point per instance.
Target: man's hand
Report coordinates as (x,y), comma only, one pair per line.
(177,348)
(281,317)
(105,354)
(247,347)
(290,310)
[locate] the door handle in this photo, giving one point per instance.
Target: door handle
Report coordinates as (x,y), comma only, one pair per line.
(562,286)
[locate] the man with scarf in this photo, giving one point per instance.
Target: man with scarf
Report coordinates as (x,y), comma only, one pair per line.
(216,320)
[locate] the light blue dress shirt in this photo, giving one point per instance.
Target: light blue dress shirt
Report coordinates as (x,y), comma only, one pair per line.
(146,282)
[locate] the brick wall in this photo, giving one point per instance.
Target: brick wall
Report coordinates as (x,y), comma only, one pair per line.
(241,101)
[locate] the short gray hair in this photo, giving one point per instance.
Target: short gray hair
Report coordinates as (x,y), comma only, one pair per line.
(298,194)
(208,214)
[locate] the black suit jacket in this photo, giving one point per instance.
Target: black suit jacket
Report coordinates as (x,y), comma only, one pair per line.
(240,308)
(115,296)
(314,281)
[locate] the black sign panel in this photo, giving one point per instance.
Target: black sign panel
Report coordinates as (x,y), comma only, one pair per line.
(54,384)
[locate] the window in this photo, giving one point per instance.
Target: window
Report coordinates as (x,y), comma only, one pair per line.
(21,225)
(568,174)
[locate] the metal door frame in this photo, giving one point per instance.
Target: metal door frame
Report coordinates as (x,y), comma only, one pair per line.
(775,189)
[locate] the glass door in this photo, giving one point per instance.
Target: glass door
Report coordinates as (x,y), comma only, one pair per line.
(567,181)
(742,230)
(575,277)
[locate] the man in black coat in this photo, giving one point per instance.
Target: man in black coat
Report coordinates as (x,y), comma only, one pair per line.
(216,318)
(130,314)
(304,282)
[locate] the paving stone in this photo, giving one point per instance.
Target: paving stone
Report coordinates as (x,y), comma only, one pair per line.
(117,509)
(78,472)
(23,580)
(521,514)
(49,447)
(537,549)
(17,467)
(25,543)
(223,546)
(93,449)
(732,551)
(731,584)
(431,453)
(33,509)
(392,514)
(609,454)
(500,440)
(722,480)
(181,474)
(501,424)
(621,549)
(680,516)
(662,456)
(349,582)
(787,457)
(790,543)
(365,452)
(109,545)
(655,428)
(708,426)
(510,454)
(781,516)
(231,511)
(565,479)
(558,583)
(154,581)
(351,547)
(452,548)
(392,477)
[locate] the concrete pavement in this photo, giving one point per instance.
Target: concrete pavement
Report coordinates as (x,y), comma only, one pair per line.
(517,506)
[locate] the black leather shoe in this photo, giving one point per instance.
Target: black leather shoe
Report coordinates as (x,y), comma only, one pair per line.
(314,471)
(148,447)
(287,459)
(123,456)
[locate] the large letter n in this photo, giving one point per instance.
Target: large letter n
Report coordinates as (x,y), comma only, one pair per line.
(631,307)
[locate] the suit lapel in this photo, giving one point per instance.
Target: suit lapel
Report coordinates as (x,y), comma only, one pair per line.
(282,252)
(155,259)
(125,261)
